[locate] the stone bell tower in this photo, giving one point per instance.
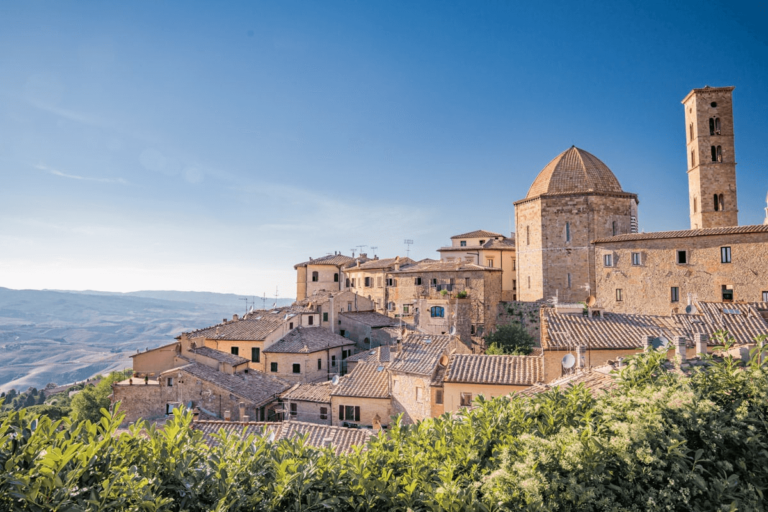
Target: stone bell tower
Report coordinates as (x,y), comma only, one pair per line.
(711,157)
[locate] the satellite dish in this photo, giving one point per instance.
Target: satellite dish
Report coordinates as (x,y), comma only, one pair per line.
(453,330)
(568,361)
(335,380)
(591,301)
(660,343)
(691,309)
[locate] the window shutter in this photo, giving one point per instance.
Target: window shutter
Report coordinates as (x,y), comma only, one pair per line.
(341,412)
(357,413)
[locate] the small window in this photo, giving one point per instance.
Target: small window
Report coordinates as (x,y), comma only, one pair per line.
(613,227)
(467,282)
(290,325)
(690,134)
(682,257)
(721,201)
(310,320)
(636,259)
(466,399)
(472,329)
(434,282)
(608,260)
(717,126)
(713,104)
(482,242)
(717,203)
(294,409)
(319,363)
(325,317)
(336,278)
(417,281)
(727,293)
(256,354)
(342,332)
(527,235)
(463,243)
(567,231)
(170,382)
(296,368)
(725,255)
(693,158)
(333,361)
(529,282)
(569,279)
(349,306)
(675,294)
(315,277)
(437,312)
(765,296)
(347,282)
(694,205)
(235,351)
(439,396)
(619,295)
(714,153)
(489,263)
(406,309)
(273,367)
(349,413)
(323,413)
(419,393)
(390,306)
(367,282)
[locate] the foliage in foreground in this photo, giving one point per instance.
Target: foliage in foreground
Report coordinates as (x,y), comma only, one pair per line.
(658,442)
(509,338)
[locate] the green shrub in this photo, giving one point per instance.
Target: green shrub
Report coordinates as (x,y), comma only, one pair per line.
(509,338)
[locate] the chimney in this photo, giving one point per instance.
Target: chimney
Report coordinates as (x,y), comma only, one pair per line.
(241,406)
(648,342)
(680,348)
(227,416)
(234,317)
(701,343)
(246,418)
(397,263)
(580,356)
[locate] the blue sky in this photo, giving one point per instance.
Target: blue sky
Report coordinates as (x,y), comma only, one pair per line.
(210,146)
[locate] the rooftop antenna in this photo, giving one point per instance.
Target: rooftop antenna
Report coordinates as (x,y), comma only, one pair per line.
(264,301)
(373,250)
(353,252)
(246,304)
(409,243)
(275,304)
(361,247)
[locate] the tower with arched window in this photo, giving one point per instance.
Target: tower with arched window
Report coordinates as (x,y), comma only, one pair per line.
(711,160)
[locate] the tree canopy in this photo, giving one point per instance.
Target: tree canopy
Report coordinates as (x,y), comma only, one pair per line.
(509,339)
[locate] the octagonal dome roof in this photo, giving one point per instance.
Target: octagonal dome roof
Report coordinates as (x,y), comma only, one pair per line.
(574,170)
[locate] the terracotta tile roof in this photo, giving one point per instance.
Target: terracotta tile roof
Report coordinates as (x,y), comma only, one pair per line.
(480,233)
(252,328)
(256,387)
(367,380)
(503,244)
(306,340)
(495,369)
(175,343)
(420,353)
(659,235)
(379,264)
(610,331)
(439,376)
(442,266)
(220,356)
(379,355)
(742,321)
(370,318)
(317,392)
(337,260)
(596,382)
(341,439)
(574,170)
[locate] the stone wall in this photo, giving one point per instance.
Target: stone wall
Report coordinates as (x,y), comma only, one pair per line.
(376,292)
(453,391)
(369,408)
(411,397)
(646,288)
(154,362)
(309,411)
(326,279)
(526,313)
(138,400)
(308,365)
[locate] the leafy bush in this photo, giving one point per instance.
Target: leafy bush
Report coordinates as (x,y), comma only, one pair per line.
(463,294)
(87,404)
(509,339)
(657,441)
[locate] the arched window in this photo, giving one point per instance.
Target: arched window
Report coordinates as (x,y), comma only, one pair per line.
(719,153)
(437,312)
(336,278)
(722,202)
(714,153)
(714,126)
(717,126)
(315,277)
(693,158)
(717,203)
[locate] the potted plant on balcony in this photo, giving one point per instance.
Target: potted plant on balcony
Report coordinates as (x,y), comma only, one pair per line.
(463,294)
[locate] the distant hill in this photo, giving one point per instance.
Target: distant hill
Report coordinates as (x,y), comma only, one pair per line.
(64,336)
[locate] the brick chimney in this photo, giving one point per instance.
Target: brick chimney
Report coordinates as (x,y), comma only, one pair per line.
(227,416)
(580,356)
(701,343)
(680,348)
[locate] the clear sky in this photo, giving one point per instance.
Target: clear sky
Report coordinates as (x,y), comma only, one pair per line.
(212,145)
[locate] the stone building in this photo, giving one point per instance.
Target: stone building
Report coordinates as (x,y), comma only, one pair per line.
(328,305)
(469,376)
(438,283)
(307,354)
(574,200)
(308,402)
(488,249)
(362,398)
(322,274)
(661,273)
(711,158)
(367,328)
(369,278)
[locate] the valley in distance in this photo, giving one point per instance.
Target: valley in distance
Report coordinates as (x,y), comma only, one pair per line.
(68,336)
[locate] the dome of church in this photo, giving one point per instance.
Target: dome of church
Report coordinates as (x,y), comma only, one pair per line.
(574,170)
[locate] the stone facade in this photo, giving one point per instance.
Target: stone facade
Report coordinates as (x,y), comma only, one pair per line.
(314,367)
(370,408)
(454,390)
(646,288)
(411,397)
(711,158)
(311,412)
(138,400)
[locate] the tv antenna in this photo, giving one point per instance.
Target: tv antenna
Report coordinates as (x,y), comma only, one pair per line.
(264,301)
(361,247)
(409,243)
(246,304)
(353,252)
(373,250)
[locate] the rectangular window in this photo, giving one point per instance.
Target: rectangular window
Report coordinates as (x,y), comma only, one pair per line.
(290,326)
(310,320)
(367,282)
(682,257)
(170,382)
(256,354)
(417,281)
(765,296)
(273,367)
(296,368)
(325,317)
(567,231)
(439,396)
(613,227)
(333,361)
(349,306)
(463,243)
(636,258)
(319,364)
(569,280)
(489,263)
(608,260)
(294,409)
(406,309)
(323,413)
(466,282)
(675,294)
(727,293)
(618,295)
(529,282)
(349,412)
(466,399)
(725,255)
